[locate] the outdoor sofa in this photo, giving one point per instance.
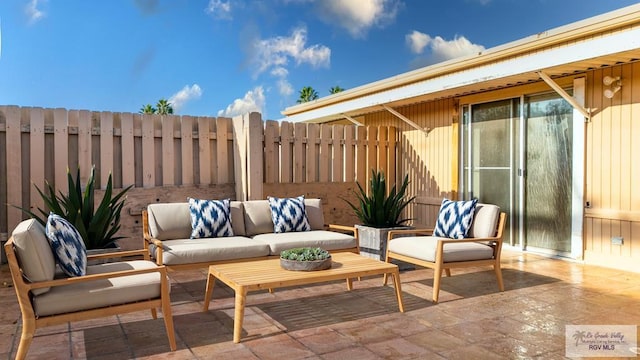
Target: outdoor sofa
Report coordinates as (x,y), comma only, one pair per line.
(167,229)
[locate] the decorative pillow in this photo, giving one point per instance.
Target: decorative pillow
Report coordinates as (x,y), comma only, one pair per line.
(68,247)
(210,218)
(455,218)
(288,214)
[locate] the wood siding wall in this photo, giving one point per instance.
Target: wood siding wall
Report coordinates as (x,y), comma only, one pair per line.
(613,170)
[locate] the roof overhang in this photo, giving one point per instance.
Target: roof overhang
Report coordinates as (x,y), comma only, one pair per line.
(605,40)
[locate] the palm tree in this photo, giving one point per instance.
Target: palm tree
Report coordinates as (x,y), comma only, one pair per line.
(336,89)
(164,107)
(147,109)
(307,94)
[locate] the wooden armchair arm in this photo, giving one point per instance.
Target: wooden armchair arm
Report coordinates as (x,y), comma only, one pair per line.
(392,233)
(124,253)
(342,228)
(86,278)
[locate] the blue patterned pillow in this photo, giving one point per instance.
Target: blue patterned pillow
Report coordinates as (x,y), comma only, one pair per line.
(210,218)
(288,214)
(67,245)
(455,218)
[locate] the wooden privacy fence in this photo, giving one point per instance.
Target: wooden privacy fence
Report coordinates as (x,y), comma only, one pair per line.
(198,156)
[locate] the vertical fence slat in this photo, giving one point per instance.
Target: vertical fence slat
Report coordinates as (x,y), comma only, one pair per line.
(168,177)
(14,165)
(128,148)
(106,147)
(222,126)
(270,153)
(313,132)
(391,170)
(324,166)
(286,165)
(84,145)
(256,157)
(186,135)
(148,151)
(382,155)
(36,161)
(349,153)
(204,147)
(361,156)
(60,147)
(299,156)
(337,156)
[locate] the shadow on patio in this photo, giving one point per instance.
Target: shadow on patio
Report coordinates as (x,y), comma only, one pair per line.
(472,320)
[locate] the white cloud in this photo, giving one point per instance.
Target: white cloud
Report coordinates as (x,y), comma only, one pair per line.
(219,9)
(276,52)
(358,16)
(417,41)
(253,100)
(284,87)
(188,93)
(440,49)
(33,13)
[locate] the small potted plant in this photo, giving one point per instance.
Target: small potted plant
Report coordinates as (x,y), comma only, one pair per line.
(379,212)
(97,226)
(305,259)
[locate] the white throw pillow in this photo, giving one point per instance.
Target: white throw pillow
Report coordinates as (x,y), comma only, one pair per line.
(67,245)
(455,218)
(210,218)
(288,214)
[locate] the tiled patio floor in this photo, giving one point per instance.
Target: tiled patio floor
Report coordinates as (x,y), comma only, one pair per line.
(472,321)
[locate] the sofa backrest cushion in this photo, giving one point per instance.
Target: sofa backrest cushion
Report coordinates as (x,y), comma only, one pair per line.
(485,221)
(257,216)
(168,221)
(34,253)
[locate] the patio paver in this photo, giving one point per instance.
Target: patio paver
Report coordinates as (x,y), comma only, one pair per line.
(472,320)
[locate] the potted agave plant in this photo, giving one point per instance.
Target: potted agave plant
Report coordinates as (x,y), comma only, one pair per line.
(99,225)
(379,212)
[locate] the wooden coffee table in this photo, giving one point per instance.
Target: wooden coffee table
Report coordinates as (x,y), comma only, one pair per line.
(266,274)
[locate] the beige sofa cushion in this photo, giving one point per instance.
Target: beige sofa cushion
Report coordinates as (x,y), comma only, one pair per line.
(189,251)
(34,253)
(101,293)
(424,248)
(173,221)
(328,240)
(257,216)
(485,221)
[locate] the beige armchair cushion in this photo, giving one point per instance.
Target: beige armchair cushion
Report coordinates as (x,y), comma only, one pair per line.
(101,293)
(173,221)
(424,248)
(34,253)
(190,251)
(485,220)
(328,240)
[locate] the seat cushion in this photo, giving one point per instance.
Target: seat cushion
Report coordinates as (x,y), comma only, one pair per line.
(257,217)
(424,248)
(188,251)
(34,253)
(101,293)
(328,240)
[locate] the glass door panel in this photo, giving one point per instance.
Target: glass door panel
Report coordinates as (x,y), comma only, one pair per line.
(548,181)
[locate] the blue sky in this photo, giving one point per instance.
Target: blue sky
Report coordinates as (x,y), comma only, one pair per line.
(221,58)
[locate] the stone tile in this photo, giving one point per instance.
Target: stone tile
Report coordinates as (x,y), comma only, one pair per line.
(399,348)
(353,353)
(277,347)
(325,341)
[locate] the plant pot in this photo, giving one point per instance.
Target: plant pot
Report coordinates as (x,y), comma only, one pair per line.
(111,249)
(312,265)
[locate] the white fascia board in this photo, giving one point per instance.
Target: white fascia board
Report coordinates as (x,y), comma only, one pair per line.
(584,50)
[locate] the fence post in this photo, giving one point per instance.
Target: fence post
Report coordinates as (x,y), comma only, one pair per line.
(255,151)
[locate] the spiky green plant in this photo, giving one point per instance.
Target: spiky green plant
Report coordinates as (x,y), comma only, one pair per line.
(378,209)
(97,226)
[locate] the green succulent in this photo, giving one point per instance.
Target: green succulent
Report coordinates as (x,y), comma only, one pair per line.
(377,209)
(97,226)
(305,254)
